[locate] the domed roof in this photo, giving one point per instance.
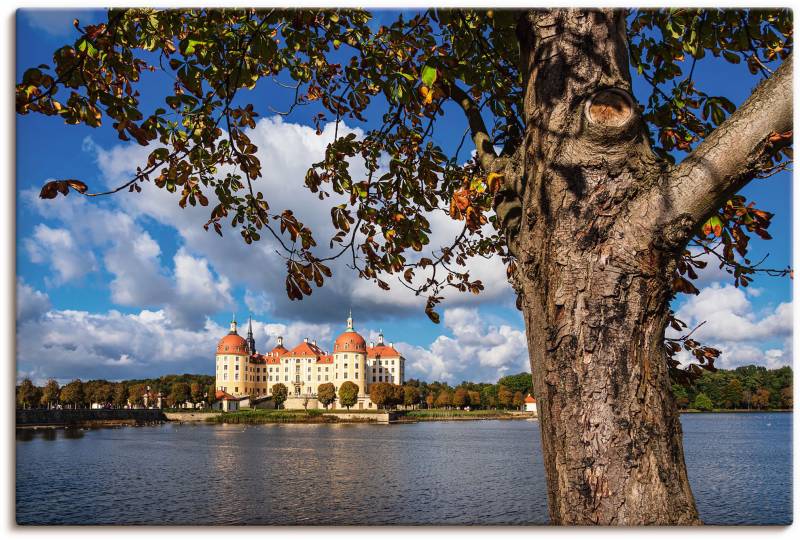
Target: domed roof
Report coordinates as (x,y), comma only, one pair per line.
(350,341)
(232,344)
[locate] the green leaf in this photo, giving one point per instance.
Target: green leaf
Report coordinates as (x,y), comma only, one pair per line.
(428,76)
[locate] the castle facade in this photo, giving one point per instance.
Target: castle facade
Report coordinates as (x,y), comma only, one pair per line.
(242,371)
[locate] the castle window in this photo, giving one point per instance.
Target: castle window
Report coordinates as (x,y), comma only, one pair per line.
(224,376)
(237,367)
(236,377)
(326,377)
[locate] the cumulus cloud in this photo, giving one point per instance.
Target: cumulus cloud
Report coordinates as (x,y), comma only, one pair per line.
(189,290)
(286,150)
(732,324)
(477,350)
(65,344)
(57,248)
(31,304)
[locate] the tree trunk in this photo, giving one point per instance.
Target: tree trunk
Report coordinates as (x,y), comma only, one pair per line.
(594,273)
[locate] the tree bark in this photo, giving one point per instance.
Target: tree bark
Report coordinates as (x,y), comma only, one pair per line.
(594,279)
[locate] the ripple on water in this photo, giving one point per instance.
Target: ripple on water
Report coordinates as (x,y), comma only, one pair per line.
(487,472)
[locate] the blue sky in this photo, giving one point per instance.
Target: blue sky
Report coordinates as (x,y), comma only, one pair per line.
(131,286)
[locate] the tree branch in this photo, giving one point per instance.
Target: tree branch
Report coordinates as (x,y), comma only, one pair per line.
(734,153)
(480,135)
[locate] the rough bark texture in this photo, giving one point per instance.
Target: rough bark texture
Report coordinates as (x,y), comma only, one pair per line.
(596,223)
(594,285)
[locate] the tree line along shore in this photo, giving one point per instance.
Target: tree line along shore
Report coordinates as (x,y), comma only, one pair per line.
(744,388)
(198,391)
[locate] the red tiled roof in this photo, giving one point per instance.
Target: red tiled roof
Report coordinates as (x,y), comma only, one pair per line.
(384,351)
(224,395)
(232,344)
(325,359)
(305,349)
(350,341)
(530,399)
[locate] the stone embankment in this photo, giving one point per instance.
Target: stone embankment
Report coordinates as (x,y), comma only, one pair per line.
(87,417)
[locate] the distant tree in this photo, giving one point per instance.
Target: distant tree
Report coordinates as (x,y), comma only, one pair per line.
(279,394)
(504,397)
(518,400)
(444,399)
(732,394)
(761,398)
(474,399)
(306,400)
(703,402)
(179,394)
(348,394)
(380,394)
(489,396)
(326,394)
(429,401)
(136,394)
(50,393)
(252,396)
(210,395)
(787,397)
(102,393)
(521,382)
(196,392)
(410,396)
(681,395)
(120,398)
(397,395)
(460,397)
(72,394)
(27,395)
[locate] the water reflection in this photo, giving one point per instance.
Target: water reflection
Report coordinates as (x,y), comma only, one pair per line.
(429,473)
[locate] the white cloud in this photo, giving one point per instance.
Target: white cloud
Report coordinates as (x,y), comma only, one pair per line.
(67,344)
(478,350)
(31,304)
(189,290)
(286,151)
(57,248)
(731,323)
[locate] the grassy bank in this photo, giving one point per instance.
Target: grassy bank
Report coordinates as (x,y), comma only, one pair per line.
(457,414)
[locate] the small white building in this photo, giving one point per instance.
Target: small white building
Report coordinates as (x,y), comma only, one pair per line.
(226,402)
(530,404)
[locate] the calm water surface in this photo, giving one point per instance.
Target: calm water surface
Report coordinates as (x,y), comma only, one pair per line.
(487,472)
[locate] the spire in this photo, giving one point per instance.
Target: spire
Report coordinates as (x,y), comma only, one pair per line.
(350,320)
(251,343)
(380,337)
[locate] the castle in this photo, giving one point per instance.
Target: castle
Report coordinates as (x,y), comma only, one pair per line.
(242,371)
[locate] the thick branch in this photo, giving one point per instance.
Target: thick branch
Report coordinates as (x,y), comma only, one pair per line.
(734,153)
(480,135)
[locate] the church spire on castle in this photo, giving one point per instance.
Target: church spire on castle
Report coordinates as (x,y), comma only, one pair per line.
(350,320)
(251,343)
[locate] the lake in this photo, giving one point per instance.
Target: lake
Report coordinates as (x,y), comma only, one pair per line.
(455,473)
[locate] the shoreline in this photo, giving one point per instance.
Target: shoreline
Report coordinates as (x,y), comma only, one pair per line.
(283,416)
